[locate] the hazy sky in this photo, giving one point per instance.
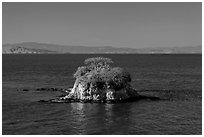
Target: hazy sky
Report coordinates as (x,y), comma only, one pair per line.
(104,24)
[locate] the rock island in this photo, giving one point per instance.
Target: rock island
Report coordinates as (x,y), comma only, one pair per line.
(97,81)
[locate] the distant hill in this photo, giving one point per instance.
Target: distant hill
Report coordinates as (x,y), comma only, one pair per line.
(66,49)
(174,50)
(42,48)
(22,50)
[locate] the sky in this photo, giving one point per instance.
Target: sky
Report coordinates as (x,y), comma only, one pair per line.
(132,25)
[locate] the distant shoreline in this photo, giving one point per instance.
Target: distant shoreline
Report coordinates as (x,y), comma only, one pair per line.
(42,48)
(102,53)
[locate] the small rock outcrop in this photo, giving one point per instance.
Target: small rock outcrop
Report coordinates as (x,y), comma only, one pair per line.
(99,82)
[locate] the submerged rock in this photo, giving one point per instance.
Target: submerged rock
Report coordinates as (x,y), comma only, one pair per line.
(53,89)
(22,90)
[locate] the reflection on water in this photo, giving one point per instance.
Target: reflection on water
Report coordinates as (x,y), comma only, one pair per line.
(109,115)
(117,120)
(96,118)
(143,117)
(79,117)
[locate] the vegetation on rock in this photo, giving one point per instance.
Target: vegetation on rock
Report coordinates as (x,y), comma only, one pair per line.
(100,74)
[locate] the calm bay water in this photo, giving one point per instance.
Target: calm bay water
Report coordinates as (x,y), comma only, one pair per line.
(182,114)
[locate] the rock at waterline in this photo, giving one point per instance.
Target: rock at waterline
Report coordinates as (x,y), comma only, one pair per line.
(64,99)
(51,89)
(80,93)
(22,90)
